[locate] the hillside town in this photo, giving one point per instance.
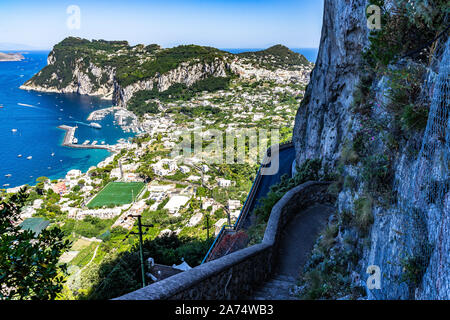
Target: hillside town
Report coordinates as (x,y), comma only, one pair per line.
(182,194)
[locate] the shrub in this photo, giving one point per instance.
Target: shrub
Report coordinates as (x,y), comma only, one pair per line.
(308,171)
(414,267)
(363,214)
(378,174)
(405,27)
(415,117)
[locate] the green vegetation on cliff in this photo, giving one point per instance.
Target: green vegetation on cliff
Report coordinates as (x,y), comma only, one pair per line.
(277,56)
(131,64)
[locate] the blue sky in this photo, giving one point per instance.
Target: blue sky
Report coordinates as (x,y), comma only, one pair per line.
(217,23)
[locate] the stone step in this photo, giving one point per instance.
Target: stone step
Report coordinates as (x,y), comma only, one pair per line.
(277,288)
(279,285)
(283,277)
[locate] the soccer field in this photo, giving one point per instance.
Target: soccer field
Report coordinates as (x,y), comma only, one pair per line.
(117,193)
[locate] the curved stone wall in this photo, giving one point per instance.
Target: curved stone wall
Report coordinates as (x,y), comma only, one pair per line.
(234,276)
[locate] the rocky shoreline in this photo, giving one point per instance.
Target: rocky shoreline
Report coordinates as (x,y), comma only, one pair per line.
(11,56)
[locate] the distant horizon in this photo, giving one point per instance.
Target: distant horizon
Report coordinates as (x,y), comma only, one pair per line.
(24,47)
(310,56)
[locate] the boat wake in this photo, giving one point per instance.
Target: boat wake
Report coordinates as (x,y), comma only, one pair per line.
(28,105)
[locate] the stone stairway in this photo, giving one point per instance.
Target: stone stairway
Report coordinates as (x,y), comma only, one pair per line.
(297,242)
(277,288)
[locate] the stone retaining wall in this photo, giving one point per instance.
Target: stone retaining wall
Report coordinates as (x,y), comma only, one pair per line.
(234,276)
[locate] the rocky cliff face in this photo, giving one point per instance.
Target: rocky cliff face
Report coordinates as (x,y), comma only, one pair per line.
(114,70)
(98,81)
(323,119)
(408,235)
(185,73)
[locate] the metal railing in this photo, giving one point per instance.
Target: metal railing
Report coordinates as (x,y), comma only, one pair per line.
(247,204)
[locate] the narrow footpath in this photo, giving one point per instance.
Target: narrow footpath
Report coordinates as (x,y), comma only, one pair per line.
(296,244)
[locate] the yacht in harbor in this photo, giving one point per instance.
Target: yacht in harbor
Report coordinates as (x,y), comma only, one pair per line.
(53,154)
(75,141)
(19,156)
(95,125)
(29,157)
(14,130)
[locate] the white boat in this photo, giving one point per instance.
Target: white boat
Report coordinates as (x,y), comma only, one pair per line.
(53,154)
(19,156)
(8,175)
(75,141)
(29,157)
(6,185)
(14,130)
(94,142)
(95,125)
(86,142)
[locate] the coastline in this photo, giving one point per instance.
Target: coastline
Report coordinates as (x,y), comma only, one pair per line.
(112,149)
(12,57)
(65,90)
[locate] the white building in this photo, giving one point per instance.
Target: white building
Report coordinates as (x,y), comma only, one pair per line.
(207,202)
(195,220)
(184,169)
(194,178)
(176,203)
(73,174)
(219,225)
(224,183)
(165,167)
(116,173)
(160,187)
(234,204)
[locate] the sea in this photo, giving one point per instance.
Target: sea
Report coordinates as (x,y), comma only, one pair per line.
(35,117)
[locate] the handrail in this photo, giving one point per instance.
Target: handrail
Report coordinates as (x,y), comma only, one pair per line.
(218,238)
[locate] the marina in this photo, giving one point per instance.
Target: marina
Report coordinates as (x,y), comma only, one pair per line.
(72,142)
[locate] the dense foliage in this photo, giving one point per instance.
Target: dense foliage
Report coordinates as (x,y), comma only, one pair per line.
(123,274)
(143,101)
(29,266)
(131,64)
(277,56)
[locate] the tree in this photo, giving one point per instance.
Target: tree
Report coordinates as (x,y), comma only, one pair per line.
(29,263)
(40,185)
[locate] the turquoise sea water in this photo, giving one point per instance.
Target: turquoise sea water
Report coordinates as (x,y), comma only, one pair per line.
(36,122)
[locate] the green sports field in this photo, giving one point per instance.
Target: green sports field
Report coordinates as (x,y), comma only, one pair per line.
(117,193)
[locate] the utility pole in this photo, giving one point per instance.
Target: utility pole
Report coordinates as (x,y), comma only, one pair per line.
(141,253)
(228,210)
(207,226)
(141,250)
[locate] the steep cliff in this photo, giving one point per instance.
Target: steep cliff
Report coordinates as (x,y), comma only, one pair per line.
(115,70)
(376,114)
(323,118)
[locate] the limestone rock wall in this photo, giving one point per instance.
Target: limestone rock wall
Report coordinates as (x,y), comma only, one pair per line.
(322,120)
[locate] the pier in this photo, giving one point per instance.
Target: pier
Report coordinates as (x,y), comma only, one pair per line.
(70,134)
